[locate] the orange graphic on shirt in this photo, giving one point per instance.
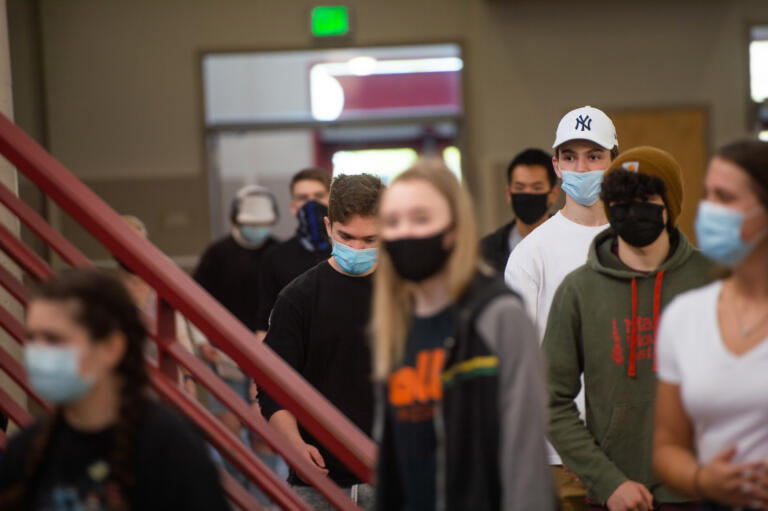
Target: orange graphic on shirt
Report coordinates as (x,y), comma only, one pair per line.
(410,388)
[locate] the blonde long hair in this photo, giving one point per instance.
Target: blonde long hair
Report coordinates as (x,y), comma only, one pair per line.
(393,296)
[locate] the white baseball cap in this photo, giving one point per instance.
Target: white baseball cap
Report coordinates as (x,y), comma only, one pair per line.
(586,123)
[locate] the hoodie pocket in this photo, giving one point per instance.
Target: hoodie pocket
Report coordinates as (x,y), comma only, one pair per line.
(627,442)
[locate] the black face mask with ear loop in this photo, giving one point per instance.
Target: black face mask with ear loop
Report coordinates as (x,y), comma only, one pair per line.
(530,207)
(417,259)
(637,223)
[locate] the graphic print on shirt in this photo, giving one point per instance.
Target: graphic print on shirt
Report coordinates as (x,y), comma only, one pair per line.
(89,493)
(621,333)
(413,391)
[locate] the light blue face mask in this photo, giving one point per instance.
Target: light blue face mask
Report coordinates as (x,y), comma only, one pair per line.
(718,231)
(255,235)
(54,373)
(354,262)
(583,187)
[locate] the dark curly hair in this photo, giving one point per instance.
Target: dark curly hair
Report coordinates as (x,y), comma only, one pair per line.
(354,195)
(103,306)
(623,186)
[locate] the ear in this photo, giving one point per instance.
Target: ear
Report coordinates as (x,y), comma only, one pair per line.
(112,349)
(508,194)
(294,208)
(557,167)
(328,227)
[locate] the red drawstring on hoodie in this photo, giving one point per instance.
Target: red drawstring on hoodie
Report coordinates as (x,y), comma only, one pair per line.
(632,367)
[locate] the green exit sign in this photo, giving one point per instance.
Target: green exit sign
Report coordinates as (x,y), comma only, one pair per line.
(328,21)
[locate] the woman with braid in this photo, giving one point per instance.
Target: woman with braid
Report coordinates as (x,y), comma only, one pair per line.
(108,445)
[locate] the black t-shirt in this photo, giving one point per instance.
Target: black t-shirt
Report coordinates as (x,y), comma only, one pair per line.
(414,390)
(230,273)
(318,326)
(172,468)
(281,264)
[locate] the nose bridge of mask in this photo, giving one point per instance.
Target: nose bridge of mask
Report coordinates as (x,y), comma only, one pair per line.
(354,260)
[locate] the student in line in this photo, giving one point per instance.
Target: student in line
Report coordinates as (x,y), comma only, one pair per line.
(464,408)
(602,329)
(108,445)
(711,436)
(309,246)
(585,144)
(319,327)
(531,190)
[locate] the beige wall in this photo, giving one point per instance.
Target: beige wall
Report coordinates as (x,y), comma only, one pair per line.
(122,79)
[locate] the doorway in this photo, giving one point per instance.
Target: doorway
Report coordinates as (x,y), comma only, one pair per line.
(348,111)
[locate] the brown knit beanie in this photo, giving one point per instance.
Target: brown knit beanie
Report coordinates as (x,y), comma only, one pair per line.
(659,163)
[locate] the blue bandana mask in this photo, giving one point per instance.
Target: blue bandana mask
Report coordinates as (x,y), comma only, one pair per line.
(354,262)
(718,231)
(255,235)
(54,373)
(583,187)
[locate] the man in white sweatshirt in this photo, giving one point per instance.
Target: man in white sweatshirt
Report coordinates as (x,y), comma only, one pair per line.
(585,144)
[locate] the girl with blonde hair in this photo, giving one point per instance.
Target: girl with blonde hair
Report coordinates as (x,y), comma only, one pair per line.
(463,419)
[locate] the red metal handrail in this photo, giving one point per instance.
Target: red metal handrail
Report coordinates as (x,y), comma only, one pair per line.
(273,375)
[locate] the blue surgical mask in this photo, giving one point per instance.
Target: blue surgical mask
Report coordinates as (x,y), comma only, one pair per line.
(54,372)
(255,235)
(583,187)
(354,262)
(718,231)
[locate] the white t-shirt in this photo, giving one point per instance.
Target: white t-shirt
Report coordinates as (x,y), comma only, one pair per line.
(539,264)
(541,261)
(722,393)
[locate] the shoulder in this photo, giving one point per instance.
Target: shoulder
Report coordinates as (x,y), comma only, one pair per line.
(497,236)
(19,446)
(583,277)
(282,247)
(163,428)
(694,303)
(537,240)
(306,282)
(218,247)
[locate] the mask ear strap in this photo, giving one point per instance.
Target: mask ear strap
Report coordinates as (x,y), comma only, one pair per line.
(749,216)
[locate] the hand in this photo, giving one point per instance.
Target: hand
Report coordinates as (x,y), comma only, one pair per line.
(190,387)
(209,353)
(253,391)
(568,472)
(630,496)
(314,457)
(742,485)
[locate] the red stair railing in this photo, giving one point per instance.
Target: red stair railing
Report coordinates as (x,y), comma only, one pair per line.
(176,291)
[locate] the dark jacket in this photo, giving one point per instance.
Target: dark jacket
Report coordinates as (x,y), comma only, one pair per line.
(494,248)
(490,424)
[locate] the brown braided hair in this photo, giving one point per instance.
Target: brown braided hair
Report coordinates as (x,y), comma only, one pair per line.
(103,307)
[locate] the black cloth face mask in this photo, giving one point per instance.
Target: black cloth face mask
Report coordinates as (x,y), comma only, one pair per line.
(417,259)
(529,207)
(311,231)
(637,223)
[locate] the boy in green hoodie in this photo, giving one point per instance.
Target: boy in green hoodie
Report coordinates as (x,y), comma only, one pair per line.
(603,324)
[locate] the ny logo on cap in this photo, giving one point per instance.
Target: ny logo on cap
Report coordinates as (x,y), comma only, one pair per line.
(585,122)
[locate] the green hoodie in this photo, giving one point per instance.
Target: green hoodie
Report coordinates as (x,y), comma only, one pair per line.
(590,331)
